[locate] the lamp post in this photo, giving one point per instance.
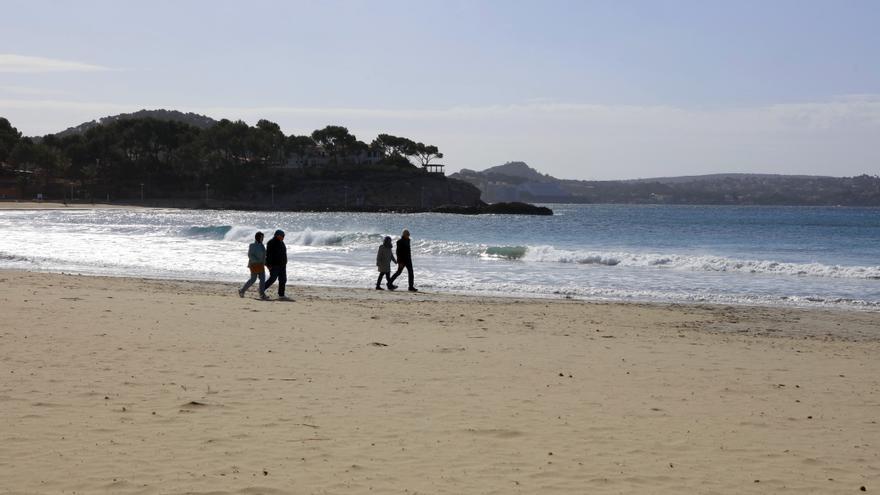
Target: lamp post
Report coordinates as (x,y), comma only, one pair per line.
(273,194)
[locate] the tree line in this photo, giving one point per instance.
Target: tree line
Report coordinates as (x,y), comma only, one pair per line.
(170,157)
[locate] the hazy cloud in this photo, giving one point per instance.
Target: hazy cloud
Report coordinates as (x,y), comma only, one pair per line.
(842,111)
(30,91)
(836,114)
(28,64)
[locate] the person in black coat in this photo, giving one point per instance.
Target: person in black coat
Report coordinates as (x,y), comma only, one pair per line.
(276,262)
(404,260)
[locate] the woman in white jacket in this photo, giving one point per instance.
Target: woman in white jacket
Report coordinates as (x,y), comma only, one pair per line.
(257,266)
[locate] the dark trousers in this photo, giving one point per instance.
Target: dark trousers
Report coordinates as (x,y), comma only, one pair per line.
(278,273)
(409,271)
(387,276)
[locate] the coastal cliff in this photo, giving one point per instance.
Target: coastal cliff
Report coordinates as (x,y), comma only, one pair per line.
(353,190)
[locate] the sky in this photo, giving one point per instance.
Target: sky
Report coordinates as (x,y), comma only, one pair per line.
(577,89)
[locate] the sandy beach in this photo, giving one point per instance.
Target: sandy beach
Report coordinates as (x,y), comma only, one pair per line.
(142,386)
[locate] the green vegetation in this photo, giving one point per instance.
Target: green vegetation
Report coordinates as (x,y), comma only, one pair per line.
(168,154)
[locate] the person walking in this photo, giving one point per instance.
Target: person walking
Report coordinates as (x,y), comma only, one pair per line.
(276,262)
(404,260)
(256,264)
(383,261)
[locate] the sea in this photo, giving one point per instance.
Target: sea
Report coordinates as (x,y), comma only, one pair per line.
(738,255)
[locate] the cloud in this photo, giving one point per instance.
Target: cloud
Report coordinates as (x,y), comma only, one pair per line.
(30,91)
(100,109)
(27,64)
(835,114)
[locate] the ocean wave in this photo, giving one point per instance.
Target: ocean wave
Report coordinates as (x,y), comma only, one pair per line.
(699,263)
(507,289)
(506,252)
(544,254)
(15,259)
(207,232)
(307,237)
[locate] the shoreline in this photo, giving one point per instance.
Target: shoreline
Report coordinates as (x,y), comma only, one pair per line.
(136,386)
(14,204)
(485,209)
(864,308)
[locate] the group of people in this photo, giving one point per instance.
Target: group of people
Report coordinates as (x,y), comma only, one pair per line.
(384,258)
(273,256)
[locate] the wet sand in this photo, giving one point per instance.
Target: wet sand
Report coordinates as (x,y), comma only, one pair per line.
(139,386)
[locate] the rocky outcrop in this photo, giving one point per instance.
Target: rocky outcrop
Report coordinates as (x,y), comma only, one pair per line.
(365,192)
(496,208)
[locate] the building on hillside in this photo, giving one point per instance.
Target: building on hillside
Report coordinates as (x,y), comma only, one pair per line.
(319,157)
(434,168)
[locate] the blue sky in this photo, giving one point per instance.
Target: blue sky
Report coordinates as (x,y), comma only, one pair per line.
(578,89)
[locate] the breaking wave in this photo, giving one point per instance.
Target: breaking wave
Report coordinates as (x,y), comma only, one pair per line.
(699,263)
(506,252)
(545,254)
(15,259)
(209,232)
(308,237)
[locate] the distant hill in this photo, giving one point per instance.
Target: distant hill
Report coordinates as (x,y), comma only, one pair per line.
(712,177)
(520,170)
(516,181)
(193,119)
(175,159)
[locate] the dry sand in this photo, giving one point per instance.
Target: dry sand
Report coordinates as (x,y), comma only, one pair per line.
(142,387)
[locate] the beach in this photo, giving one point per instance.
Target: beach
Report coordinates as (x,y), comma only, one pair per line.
(123,385)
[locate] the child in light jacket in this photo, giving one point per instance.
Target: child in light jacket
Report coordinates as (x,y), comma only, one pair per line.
(256,264)
(383,261)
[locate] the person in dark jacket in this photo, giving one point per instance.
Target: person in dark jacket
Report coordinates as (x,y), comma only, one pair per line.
(383,261)
(276,262)
(404,260)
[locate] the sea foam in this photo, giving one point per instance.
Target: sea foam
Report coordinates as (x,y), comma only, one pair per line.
(698,263)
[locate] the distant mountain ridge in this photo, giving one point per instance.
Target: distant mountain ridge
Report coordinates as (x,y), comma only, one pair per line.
(516,181)
(518,169)
(708,177)
(193,119)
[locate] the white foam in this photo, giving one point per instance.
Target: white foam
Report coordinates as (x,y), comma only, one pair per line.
(239,233)
(699,263)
